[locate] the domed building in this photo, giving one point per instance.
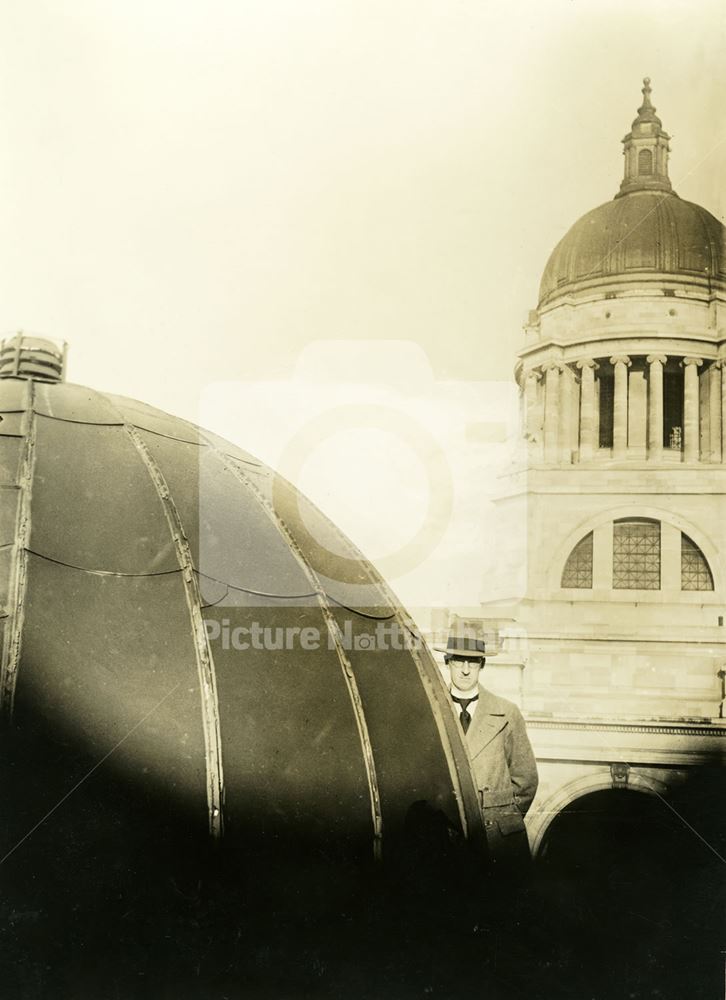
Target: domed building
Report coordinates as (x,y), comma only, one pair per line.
(621,638)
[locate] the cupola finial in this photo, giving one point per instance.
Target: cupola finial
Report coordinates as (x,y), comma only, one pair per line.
(646,92)
(646,150)
(37,358)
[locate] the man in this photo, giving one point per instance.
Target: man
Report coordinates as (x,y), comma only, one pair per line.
(501,755)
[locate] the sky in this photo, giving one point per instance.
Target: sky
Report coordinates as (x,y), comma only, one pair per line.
(237,211)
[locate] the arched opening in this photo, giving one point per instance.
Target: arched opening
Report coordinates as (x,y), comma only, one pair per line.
(645,162)
(632,881)
(695,571)
(578,568)
(636,554)
(606,830)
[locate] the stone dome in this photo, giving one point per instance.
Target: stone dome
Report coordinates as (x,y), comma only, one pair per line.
(642,235)
(646,234)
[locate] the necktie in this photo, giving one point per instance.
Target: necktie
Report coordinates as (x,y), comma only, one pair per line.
(464,717)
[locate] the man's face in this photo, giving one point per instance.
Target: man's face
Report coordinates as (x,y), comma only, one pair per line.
(465,673)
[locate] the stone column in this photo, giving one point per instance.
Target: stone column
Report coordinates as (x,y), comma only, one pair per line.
(723,406)
(602,557)
(621,363)
(655,406)
(691,428)
(532,420)
(637,411)
(552,400)
(565,415)
(715,376)
(670,561)
(587,409)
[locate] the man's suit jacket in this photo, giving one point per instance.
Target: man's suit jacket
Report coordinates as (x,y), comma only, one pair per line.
(505,773)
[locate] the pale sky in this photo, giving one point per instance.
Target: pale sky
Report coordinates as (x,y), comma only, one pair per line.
(195,193)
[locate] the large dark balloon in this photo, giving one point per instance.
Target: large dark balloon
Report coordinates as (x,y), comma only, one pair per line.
(228,762)
(175,609)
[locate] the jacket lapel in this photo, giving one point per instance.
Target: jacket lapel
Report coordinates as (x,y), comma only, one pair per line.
(485,725)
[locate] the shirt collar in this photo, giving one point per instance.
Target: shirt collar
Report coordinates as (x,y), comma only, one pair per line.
(473,693)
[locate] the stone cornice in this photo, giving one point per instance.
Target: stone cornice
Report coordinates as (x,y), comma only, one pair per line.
(577,635)
(542,478)
(647,285)
(635,344)
(695,479)
(651,728)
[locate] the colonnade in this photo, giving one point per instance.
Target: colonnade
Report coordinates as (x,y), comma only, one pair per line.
(562,418)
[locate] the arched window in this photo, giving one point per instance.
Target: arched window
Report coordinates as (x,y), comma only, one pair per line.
(636,554)
(578,568)
(645,162)
(637,564)
(695,571)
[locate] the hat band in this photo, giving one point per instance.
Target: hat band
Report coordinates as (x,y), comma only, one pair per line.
(461,644)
